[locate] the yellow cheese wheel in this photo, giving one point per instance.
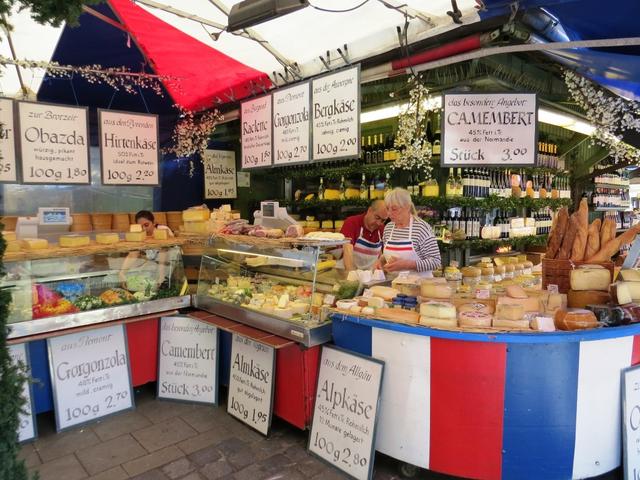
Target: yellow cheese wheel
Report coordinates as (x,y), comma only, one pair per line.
(331,194)
(107,238)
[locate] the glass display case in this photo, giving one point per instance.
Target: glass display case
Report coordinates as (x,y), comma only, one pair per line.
(53,291)
(276,285)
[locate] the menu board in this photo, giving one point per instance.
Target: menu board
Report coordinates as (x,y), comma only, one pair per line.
(8,172)
(90,375)
(128,148)
(489,129)
(219,174)
(291,124)
(54,144)
(336,115)
(631,422)
(188,360)
(345,413)
(251,383)
(26,419)
(256,133)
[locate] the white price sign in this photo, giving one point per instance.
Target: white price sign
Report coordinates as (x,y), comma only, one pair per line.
(336,115)
(631,422)
(346,411)
(7,142)
(219,174)
(489,129)
(54,144)
(188,360)
(90,375)
(251,383)
(128,148)
(291,124)
(256,132)
(27,424)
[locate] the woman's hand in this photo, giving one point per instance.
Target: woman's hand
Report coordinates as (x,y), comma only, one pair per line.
(399,264)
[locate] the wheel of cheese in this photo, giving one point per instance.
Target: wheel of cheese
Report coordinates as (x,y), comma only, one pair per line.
(580,299)
(575,319)
(438,310)
(435,290)
(438,322)
(590,279)
(475,307)
(474,319)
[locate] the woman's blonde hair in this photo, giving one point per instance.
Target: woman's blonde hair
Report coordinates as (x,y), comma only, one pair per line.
(400,197)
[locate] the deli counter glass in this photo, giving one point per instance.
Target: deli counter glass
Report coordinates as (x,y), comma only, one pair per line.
(281,286)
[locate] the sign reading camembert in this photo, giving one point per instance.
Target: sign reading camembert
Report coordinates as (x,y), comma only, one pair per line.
(219,174)
(482,129)
(54,143)
(129,148)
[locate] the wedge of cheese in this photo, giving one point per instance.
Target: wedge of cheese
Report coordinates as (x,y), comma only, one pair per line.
(135,236)
(74,241)
(107,238)
(35,244)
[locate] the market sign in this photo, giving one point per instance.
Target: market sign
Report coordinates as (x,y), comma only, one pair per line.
(291,124)
(256,133)
(54,144)
(336,115)
(489,129)
(90,375)
(631,422)
(188,360)
(8,172)
(26,419)
(219,174)
(251,383)
(345,413)
(128,148)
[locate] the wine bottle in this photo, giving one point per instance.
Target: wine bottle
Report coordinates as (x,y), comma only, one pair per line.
(343,189)
(456,222)
(387,183)
(321,189)
(364,193)
(464,222)
(450,221)
(372,189)
(367,153)
(386,154)
(459,185)
(450,190)
(393,153)
(380,150)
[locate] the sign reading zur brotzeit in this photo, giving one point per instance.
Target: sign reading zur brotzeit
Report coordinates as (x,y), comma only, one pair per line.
(256,134)
(489,129)
(219,174)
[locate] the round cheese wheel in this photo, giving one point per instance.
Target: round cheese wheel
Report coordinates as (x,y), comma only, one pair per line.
(438,322)
(582,298)
(474,319)
(435,290)
(575,319)
(475,307)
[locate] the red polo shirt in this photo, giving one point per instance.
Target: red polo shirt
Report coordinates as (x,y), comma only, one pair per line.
(351,229)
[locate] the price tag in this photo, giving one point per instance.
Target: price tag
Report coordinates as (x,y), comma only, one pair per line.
(219,174)
(367,293)
(329,299)
(552,288)
(483,294)
(256,132)
(291,122)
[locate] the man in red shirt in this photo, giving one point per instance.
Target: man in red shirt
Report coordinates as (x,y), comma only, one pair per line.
(365,232)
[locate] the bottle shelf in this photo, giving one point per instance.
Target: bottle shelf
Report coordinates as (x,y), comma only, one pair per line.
(612,186)
(477,244)
(612,209)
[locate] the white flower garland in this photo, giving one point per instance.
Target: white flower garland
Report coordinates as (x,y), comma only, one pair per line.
(192,132)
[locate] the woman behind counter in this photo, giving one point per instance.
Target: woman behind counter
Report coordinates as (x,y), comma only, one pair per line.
(409,242)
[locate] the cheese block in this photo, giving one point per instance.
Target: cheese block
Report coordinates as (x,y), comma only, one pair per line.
(510,324)
(34,243)
(160,234)
(531,304)
(625,292)
(12,246)
(376,302)
(582,298)
(196,227)
(9,236)
(283,301)
(438,322)
(475,307)
(338,224)
(398,315)
(135,236)
(509,311)
(352,193)
(328,224)
(196,215)
(590,279)
(107,238)
(331,194)
(626,274)
(515,291)
(134,227)
(74,241)
(438,310)
(555,301)
(543,324)
(575,319)
(283,312)
(355,309)
(386,293)
(435,290)
(300,308)
(474,319)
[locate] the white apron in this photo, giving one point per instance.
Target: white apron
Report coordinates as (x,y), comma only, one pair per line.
(403,249)
(366,253)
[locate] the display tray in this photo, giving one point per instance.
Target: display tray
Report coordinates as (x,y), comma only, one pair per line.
(307,336)
(281,242)
(61,322)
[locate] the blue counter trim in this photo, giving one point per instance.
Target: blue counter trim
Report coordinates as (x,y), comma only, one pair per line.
(527,338)
(356,338)
(540,411)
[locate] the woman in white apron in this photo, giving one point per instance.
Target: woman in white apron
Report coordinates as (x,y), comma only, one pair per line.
(409,242)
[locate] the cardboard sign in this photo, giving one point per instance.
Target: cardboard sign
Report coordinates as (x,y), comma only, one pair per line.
(8,169)
(489,129)
(244,179)
(219,174)
(54,144)
(251,383)
(188,360)
(291,124)
(336,115)
(346,411)
(128,148)
(256,132)
(27,420)
(631,422)
(90,375)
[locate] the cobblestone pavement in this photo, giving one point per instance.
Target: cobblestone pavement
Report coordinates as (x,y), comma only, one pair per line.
(162,440)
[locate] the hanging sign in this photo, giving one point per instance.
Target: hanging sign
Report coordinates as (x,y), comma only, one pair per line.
(90,375)
(631,422)
(219,174)
(128,148)
(188,360)
(256,132)
(8,172)
(251,383)
(336,115)
(26,419)
(54,144)
(346,411)
(291,123)
(244,179)
(489,129)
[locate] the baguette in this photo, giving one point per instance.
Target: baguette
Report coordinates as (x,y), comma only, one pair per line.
(569,237)
(593,239)
(612,247)
(558,230)
(580,242)
(606,231)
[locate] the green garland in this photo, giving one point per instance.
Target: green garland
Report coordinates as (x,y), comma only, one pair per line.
(519,243)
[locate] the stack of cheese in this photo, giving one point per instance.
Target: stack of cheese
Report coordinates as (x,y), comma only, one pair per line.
(589,285)
(511,309)
(196,219)
(219,218)
(438,314)
(135,233)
